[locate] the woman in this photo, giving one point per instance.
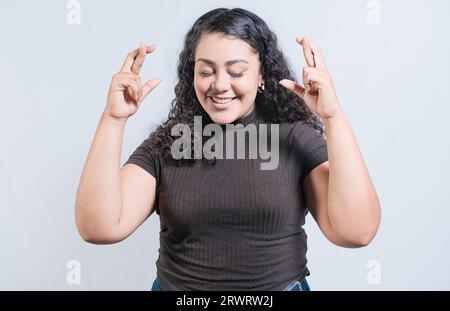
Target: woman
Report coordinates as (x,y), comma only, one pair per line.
(228,224)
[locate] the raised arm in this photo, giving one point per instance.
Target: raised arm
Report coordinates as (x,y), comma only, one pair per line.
(339,193)
(111,201)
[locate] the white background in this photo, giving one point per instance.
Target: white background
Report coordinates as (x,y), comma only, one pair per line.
(392,80)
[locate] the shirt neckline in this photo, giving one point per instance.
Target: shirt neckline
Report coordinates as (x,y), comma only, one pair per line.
(246,119)
(249,118)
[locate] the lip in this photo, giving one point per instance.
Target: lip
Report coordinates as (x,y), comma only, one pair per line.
(222,97)
(221,106)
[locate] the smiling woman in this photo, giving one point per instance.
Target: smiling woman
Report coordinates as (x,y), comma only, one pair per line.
(230,54)
(226,77)
(227,224)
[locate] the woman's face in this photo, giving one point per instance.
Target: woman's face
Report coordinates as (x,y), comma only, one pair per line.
(226,77)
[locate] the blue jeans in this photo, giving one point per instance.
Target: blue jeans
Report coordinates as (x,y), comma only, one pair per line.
(294,286)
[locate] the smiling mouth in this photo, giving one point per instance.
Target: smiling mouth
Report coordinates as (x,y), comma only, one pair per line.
(221,100)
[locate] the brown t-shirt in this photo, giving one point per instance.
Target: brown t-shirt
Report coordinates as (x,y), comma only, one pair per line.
(233,226)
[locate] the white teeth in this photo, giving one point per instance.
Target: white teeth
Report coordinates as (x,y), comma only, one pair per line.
(222,101)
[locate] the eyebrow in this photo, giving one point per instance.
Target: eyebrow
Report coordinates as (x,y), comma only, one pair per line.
(228,63)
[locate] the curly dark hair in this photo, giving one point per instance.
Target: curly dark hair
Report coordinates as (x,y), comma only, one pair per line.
(275,103)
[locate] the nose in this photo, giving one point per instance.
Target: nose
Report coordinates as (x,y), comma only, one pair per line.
(221,83)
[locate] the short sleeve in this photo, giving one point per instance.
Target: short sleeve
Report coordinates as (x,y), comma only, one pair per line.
(310,146)
(144,158)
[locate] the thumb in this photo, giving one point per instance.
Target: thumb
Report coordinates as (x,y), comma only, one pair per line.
(149,86)
(293,86)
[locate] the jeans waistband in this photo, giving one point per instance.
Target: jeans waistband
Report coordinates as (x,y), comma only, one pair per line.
(294,286)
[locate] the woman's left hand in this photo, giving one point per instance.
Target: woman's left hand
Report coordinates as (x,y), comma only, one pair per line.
(318,91)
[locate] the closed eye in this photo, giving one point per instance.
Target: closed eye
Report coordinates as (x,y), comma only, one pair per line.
(205,74)
(234,75)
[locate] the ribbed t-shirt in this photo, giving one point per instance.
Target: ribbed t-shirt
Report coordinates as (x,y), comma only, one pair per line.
(232,225)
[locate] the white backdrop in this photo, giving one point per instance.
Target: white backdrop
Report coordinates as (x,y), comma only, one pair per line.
(390,63)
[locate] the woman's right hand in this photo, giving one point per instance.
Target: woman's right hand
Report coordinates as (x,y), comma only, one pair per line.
(125,92)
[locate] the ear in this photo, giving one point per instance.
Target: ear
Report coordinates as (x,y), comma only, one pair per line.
(260,79)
